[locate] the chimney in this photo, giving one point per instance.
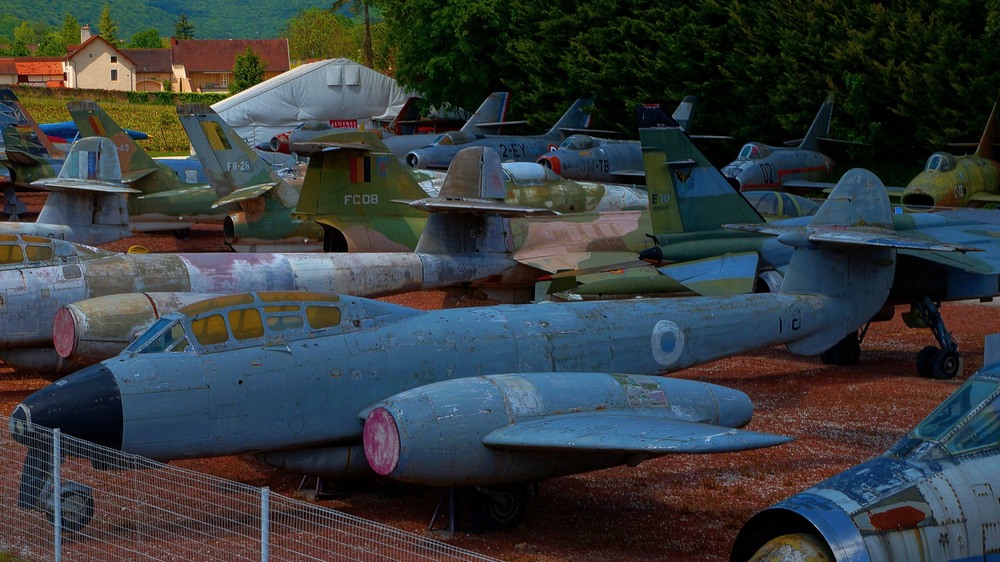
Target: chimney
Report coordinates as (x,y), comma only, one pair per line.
(84,33)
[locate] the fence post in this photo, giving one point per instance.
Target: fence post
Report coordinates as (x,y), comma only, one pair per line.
(57,492)
(265,523)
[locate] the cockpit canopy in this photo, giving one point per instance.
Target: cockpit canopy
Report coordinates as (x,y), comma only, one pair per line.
(453,138)
(940,162)
(969,420)
(579,142)
(753,151)
(525,174)
(240,320)
(17,251)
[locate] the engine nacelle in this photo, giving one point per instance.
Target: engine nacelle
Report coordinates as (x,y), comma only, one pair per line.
(328,462)
(435,434)
(92,330)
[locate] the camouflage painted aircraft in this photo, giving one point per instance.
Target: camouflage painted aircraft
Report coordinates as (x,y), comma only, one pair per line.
(493,398)
(28,153)
(174,194)
(931,496)
(760,166)
(490,116)
(957,181)
(512,148)
(348,190)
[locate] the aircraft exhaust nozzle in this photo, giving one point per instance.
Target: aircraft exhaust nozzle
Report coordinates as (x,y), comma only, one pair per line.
(412,160)
(552,163)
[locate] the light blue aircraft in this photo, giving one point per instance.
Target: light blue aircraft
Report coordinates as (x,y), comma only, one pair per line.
(931,496)
(512,148)
(491,397)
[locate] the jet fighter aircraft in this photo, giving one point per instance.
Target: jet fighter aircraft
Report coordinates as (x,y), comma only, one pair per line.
(490,116)
(957,181)
(512,148)
(487,397)
(931,496)
(759,166)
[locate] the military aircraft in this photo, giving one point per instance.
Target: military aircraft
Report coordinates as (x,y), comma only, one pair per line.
(589,158)
(931,496)
(957,181)
(174,192)
(512,148)
(28,153)
(759,166)
(348,191)
(490,116)
(87,200)
(487,397)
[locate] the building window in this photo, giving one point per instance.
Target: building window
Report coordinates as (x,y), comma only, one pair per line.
(114,75)
(114,59)
(225,81)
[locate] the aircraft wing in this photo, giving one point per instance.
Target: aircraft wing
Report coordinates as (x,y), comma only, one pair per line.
(730,274)
(136,175)
(314,147)
(806,184)
(245,193)
(475,206)
(838,236)
(74,184)
(556,261)
(626,432)
(985,197)
(193,191)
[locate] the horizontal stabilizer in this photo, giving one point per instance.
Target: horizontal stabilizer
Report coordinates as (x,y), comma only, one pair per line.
(244,194)
(136,175)
(73,184)
(731,274)
(626,432)
(23,158)
(315,147)
(476,207)
(498,124)
(178,193)
(552,262)
(846,237)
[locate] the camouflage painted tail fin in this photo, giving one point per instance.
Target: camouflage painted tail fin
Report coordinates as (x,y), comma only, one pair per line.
(985,147)
(232,166)
(92,121)
(575,119)
(685,112)
(820,128)
(30,138)
(686,193)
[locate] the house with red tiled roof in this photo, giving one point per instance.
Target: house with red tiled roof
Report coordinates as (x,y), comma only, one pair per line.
(31,71)
(190,65)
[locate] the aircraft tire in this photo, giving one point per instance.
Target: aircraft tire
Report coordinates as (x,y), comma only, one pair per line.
(181,233)
(925,359)
(500,508)
(77,509)
(946,365)
(846,352)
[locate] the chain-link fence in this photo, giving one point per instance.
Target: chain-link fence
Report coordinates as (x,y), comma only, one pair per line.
(116,506)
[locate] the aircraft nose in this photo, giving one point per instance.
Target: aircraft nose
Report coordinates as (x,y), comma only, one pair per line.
(86,405)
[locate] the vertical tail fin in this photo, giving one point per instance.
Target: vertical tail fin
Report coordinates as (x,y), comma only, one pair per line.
(31,139)
(685,112)
(686,193)
(92,121)
(493,110)
(229,162)
(577,117)
(820,127)
(985,148)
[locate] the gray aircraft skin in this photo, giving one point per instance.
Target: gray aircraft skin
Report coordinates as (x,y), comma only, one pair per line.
(588,158)
(760,166)
(490,115)
(291,376)
(512,148)
(931,496)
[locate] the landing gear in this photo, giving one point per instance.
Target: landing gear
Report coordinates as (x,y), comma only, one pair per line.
(77,506)
(495,508)
(847,351)
(932,362)
(181,233)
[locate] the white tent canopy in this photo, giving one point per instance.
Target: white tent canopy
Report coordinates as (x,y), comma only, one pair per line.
(341,91)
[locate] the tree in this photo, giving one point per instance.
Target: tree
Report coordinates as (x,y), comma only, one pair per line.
(70,30)
(148,39)
(356,8)
(107,27)
(183,28)
(248,70)
(319,34)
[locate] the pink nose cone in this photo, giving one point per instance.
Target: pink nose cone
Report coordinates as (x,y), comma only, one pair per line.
(64,332)
(381,438)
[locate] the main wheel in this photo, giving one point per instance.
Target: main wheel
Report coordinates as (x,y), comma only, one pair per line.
(181,233)
(946,365)
(925,359)
(501,508)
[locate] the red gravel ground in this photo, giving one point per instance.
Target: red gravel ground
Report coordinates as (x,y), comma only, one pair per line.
(672,508)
